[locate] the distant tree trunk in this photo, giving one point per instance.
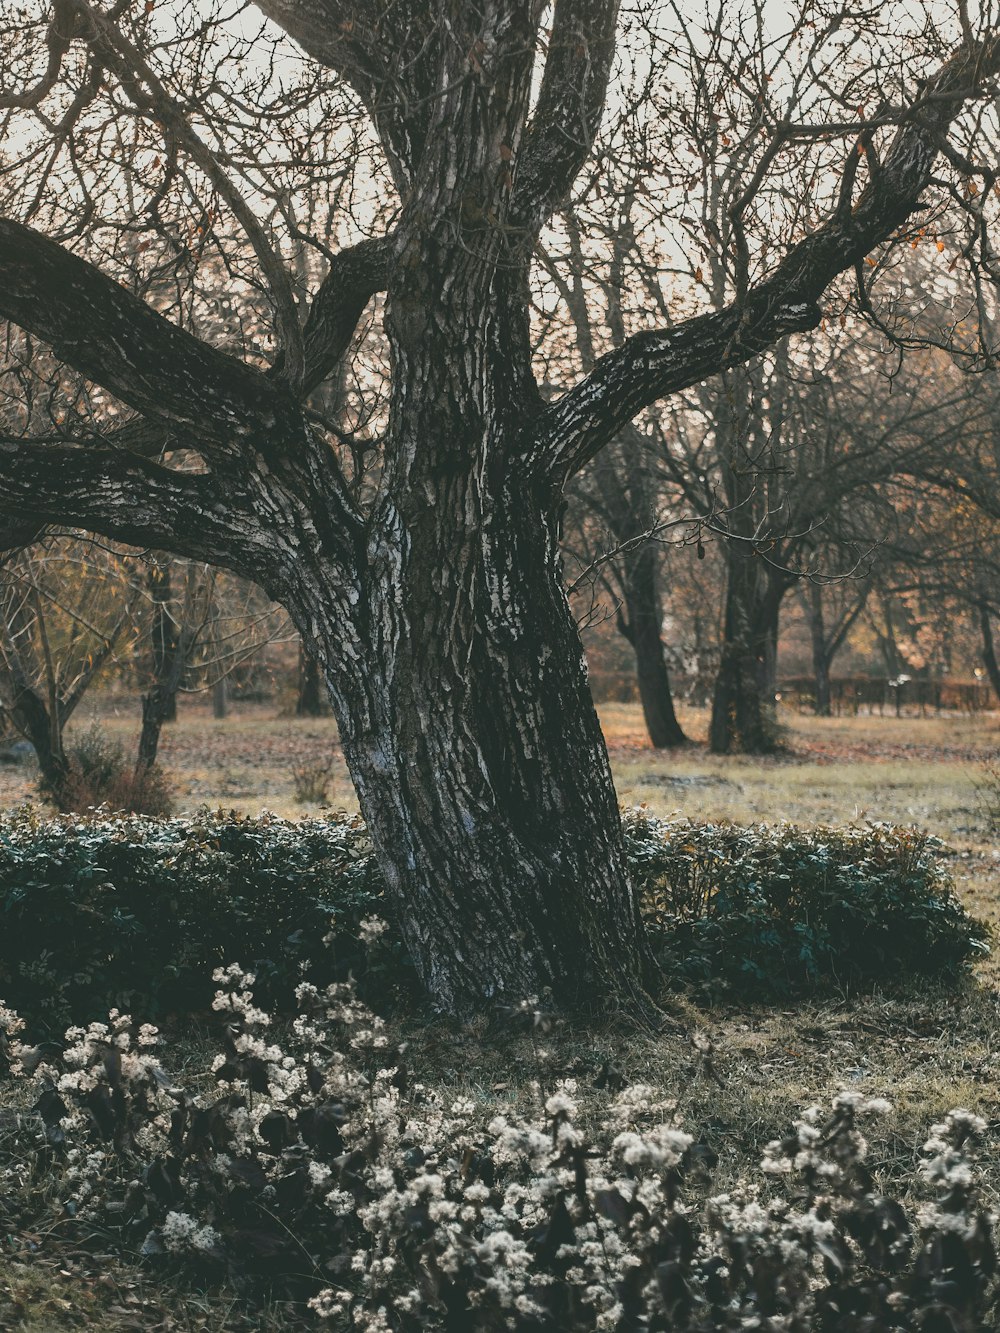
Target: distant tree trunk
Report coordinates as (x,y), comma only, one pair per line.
(163,639)
(743,703)
(989,648)
(174,637)
(820,653)
(769,662)
(626,501)
(26,707)
(641,625)
(159,705)
(310,700)
(31,717)
(220,698)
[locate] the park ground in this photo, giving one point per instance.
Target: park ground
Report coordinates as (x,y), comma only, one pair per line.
(927,1050)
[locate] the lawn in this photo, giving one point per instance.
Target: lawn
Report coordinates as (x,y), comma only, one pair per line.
(927,1051)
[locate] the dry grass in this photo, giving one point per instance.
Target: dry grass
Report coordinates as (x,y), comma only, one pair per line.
(926,1052)
(907,770)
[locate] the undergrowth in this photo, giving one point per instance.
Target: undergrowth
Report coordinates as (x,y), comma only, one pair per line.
(135,912)
(316,1167)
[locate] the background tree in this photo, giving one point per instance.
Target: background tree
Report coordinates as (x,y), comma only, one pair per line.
(66,609)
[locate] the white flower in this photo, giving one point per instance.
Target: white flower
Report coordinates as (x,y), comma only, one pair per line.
(560,1104)
(370,928)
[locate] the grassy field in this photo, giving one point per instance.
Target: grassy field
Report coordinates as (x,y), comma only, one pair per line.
(927,1051)
(906,770)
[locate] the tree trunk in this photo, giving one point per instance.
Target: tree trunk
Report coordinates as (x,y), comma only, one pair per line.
(32,719)
(821,672)
(820,655)
(479,761)
(644,617)
(743,714)
(42,725)
(159,706)
(989,649)
(220,698)
(310,698)
(163,641)
(769,657)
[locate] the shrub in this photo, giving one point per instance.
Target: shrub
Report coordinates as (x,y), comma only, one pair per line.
(317,1165)
(98,759)
(311,782)
(99,774)
(774,909)
(136,912)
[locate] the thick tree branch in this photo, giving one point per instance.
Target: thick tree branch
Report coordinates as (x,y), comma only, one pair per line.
(120,495)
(191,393)
(115,339)
(651,365)
(569,109)
(386,52)
(355,275)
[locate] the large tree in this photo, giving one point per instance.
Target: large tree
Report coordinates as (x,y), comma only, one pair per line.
(432,593)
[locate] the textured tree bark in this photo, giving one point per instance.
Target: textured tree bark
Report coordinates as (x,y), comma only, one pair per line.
(480,765)
(475,747)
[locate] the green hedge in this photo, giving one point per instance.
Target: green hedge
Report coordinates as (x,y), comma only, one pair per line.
(775,909)
(136,912)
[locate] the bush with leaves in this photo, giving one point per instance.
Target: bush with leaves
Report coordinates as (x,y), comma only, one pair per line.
(774,909)
(136,912)
(318,1164)
(99,774)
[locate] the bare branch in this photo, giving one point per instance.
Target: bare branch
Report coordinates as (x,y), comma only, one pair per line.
(115,339)
(126,497)
(569,109)
(57,40)
(354,276)
(650,365)
(148,93)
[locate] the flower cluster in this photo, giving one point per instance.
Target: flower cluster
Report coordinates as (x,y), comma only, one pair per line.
(416,1210)
(11,1047)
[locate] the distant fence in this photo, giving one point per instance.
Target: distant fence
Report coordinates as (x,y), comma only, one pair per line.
(848,694)
(880,694)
